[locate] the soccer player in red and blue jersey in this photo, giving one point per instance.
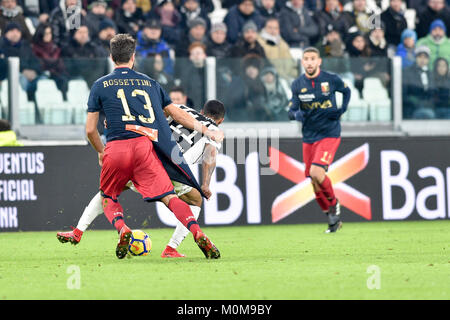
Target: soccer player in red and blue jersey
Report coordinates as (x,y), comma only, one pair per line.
(314,104)
(139,144)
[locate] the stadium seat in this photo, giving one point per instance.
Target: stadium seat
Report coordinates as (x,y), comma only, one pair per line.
(26,109)
(357,108)
(49,99)
(376,95)
(381,111)
(78,96)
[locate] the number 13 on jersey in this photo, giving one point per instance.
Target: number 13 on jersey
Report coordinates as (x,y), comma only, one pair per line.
(148,105)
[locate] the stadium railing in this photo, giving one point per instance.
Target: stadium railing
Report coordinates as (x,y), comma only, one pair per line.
(255,93)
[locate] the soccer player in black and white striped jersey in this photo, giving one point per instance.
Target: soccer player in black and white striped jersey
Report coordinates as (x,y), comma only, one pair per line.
(196,148)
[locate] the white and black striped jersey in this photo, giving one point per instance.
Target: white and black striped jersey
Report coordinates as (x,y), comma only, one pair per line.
(192,143)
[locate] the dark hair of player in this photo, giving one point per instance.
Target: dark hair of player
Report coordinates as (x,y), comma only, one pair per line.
(122,48)
(214,109)
(312,49)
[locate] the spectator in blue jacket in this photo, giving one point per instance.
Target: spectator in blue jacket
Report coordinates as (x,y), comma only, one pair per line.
(407,47)
(149,42)
(240,14)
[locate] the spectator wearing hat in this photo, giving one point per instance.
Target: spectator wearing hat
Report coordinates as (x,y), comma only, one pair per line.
(277,50)
(299,28)
(217,44)
(95,15)
(196,33)
(406,48)
(83,57)
(10,11)
(13,45)
(248,43)
(129,18)
(435,9)
(238,15)
(149,43)
(436,41)
(49,54)
(65,19)
(106,31)
(193,72)
(394,21)
(418,87)
(190,10)
(169,16)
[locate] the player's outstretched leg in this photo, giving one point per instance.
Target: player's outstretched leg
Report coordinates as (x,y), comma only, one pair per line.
(186,217)
(74,236)
(93,210)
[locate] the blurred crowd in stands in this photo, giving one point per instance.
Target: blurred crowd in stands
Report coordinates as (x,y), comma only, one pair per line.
(253,42)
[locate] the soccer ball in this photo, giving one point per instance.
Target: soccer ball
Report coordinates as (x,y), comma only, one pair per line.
(140,243)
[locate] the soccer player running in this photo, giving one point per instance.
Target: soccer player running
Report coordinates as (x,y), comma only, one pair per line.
(314,104)
(138,142)
(196,148)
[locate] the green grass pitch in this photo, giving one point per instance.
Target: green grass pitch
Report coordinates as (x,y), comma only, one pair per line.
(374,260)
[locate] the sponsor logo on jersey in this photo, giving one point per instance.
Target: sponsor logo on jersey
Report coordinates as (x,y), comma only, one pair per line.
(307,97)
(325,86)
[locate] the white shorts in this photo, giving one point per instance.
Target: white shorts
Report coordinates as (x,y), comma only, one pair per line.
(180,188)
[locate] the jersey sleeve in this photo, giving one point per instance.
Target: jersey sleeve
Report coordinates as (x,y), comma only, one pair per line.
(165,98)
(295,103)
(94,102)
(217,145)
(339,84)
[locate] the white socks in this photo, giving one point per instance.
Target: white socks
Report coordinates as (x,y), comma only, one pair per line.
(180,231)
(92,211)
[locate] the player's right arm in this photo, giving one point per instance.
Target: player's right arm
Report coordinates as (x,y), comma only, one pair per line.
(187,121)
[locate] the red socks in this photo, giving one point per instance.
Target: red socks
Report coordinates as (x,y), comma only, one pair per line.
(114,213)
(328,191)
(322,201)
(184,214)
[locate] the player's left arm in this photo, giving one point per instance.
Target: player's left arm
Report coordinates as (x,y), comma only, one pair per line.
(342,87)
(208,167)
(93,135)
(187,121)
